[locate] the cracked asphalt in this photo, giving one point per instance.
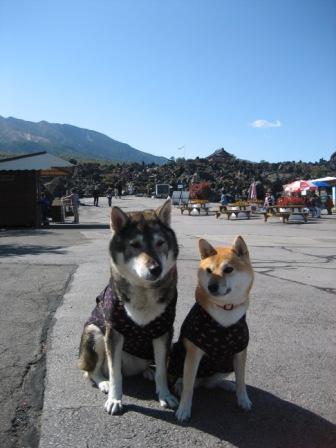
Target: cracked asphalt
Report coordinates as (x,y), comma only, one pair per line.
(49,281)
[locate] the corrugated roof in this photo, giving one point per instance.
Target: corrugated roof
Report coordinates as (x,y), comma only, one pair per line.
(36,161)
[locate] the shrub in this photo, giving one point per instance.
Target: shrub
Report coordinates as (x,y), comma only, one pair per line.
(290,200)
(200,191)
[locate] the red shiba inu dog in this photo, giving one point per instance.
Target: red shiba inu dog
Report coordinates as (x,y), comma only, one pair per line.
(214,336)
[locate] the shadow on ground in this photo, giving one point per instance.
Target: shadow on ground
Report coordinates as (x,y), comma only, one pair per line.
(73,226)
(273,422)
(11,250)
(6,233)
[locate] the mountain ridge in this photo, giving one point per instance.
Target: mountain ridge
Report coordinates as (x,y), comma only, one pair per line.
(19,136)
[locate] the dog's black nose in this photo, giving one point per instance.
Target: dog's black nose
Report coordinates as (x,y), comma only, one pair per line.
(213,287)
(155,270)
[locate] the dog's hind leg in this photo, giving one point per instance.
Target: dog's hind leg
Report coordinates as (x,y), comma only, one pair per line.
(178,386)
(92,356)
(132,365)
(149,374)
(218,380)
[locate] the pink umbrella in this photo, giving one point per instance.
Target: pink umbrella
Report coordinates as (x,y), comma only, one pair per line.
(252,193)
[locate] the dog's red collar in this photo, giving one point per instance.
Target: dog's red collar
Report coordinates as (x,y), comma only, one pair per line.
(229,306)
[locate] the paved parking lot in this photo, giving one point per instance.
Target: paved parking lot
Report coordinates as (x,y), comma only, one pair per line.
(291,362)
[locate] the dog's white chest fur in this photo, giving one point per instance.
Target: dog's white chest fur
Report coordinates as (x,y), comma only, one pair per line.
(227,318)
(144,306)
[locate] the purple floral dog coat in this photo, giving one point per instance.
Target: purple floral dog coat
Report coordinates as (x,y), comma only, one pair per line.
(138,339)
(219,343)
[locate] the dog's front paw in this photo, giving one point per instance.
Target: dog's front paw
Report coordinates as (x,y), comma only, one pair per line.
(168,400)
(113,406)
(244,402)
(104,386)
(183,413)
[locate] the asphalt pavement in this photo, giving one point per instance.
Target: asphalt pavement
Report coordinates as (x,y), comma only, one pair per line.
(50,278)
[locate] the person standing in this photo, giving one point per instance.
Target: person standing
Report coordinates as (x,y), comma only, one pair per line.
(96,195)
(329,205)
(224,198)
(45,209)
(318,205)
(74,200)
(119,187)
(315,206)
(109,194)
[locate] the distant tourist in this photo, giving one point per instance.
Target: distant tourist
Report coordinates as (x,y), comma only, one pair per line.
(73,197)
(315,205)
(45,209)
(329,205)
(224,200)
(119,187)
(269,200)
(109,194)
(96,195)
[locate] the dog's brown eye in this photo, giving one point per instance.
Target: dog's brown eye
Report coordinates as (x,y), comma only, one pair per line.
(135,244)
(209,271)
(228,269)
(159,243)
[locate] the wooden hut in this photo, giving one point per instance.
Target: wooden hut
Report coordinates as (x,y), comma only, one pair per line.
(20,186)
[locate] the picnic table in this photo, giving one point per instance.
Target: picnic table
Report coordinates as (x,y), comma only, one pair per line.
(234,209)
(285,212)
(194,204)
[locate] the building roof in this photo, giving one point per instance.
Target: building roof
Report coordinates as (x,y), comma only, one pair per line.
(38,161)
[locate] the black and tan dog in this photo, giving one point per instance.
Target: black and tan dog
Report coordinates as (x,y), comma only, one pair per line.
(132,324)
(214,335)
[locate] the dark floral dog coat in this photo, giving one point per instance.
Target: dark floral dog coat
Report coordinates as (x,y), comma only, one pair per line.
(138,339)
(219,343)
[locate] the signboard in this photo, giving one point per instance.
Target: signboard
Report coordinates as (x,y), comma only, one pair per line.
(162,190)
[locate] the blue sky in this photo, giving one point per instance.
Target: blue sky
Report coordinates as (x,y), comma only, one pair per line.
(257,77)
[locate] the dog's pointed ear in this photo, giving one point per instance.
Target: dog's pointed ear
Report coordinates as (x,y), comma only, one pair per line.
(239,246)
(118,219)
(164,212)
(205,249)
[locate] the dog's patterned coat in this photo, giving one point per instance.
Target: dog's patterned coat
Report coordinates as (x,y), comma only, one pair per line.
(138,339)
(219,343)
